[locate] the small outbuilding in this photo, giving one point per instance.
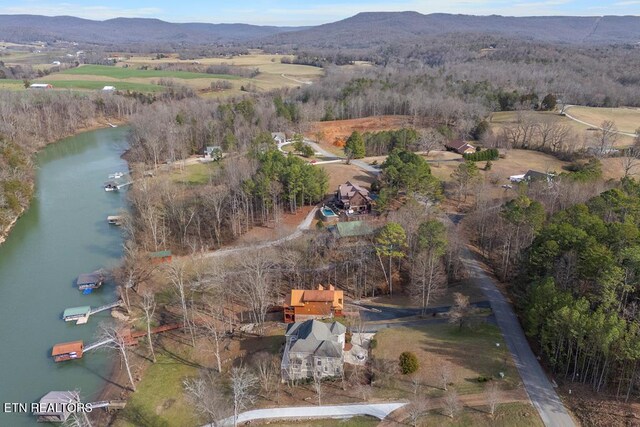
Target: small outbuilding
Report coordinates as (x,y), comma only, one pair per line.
(67,351)
(40,86)
(108,89)
(54,406)
(160,257)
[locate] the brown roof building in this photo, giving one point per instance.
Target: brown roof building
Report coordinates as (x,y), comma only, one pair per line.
(353,197)
(460,147)
(319,303)
(67,351)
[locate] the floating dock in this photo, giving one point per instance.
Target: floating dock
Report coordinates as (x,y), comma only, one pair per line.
(81,314)
(117,181)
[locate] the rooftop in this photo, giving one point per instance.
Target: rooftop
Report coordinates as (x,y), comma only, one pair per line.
(76,311)
(67,347)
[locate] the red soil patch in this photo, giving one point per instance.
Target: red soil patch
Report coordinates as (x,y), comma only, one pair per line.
(327,133)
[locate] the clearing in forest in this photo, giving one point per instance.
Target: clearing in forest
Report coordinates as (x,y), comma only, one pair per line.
(626,119)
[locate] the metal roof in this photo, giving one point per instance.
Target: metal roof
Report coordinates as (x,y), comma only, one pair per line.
(76,311)
(352,229)
(160,254)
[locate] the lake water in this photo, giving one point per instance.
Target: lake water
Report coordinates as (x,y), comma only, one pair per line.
(63,233)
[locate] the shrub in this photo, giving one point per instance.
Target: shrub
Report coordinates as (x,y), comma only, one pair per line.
(482,379)
(408,363)
(484,155)
(373,343)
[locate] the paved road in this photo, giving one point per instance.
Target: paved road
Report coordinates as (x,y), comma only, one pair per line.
(377,410)
(539,388)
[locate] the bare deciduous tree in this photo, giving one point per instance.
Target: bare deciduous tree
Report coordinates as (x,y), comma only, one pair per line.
(461,310)
(451,403)
(317,386)
(492,396)
(149,307)
(417,407)
(446,375)
(205,394)
(112,334)
(243,384)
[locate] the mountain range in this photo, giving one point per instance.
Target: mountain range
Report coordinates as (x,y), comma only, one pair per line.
(360,31)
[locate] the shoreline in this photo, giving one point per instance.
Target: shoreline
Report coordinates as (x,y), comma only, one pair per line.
(4,234)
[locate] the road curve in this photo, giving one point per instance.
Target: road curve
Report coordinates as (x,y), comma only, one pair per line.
(538,387)
(619,132)
(377,410)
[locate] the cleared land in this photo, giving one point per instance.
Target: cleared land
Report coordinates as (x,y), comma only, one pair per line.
(626,119)
(326,133)
(500,119)
(273,73)
(127,73)
(471,353)
(339,173)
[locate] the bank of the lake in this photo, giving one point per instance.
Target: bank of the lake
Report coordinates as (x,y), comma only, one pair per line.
(96,125)
(63,233)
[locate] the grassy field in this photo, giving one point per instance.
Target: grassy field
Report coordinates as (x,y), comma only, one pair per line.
(626,119)
(195,174)
(98,85)
(472,353)
(590,115)
(507,415)
(128,73)
(159,400)
(11,84)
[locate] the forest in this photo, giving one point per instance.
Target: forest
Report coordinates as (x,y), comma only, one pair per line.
(579,289)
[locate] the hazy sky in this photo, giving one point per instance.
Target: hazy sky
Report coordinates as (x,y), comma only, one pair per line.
(310,12)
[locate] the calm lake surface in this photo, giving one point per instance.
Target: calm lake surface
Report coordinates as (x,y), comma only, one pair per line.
(64,233)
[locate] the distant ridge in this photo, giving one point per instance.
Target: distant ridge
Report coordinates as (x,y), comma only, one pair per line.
(363,30)
(370,28)
(30,28)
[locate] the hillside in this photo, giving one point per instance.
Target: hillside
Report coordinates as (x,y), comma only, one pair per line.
(372,28)
(363,30)
(29,28)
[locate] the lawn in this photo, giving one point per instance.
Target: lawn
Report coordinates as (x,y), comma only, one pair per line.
(195,174)
(128,73)
(361,421)
(159,400)
(507,415)
(97,85)
(471,353)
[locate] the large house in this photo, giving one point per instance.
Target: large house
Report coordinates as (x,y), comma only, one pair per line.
(352,197)
(313,349)
(460,147)
(319,303)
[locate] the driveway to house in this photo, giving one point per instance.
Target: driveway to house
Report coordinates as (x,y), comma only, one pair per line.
(538,387)
(377,410)
(304,225)
(362,165)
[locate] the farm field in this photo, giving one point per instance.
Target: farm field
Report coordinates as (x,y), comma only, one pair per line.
(128,73)
(99,84)
(500,119)
(273,73)
(626,119)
